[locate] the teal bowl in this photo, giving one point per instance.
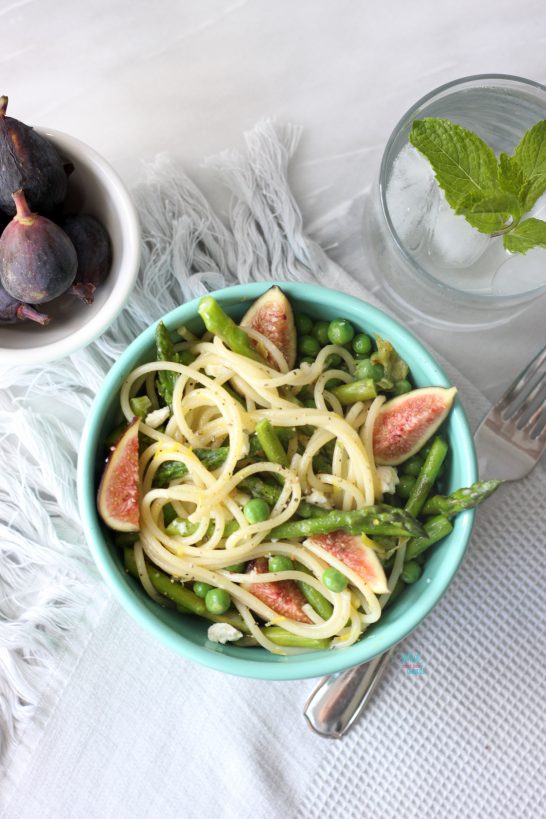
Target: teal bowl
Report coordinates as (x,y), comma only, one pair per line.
(188,635)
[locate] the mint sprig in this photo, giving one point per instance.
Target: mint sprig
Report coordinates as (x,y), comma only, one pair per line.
(492,194)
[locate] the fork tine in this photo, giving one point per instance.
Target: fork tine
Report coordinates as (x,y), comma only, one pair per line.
(536,424)
(515,389)
(531,405)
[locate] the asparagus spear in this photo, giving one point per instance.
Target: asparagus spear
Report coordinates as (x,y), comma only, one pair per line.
(285,638)
(141,405)
(427,476)
(221,325)
(165,352)
(322,606)
(163,584)
(270,493)
(171,470)
(188,602)
(212,458)
(460,500)
(355,391)
(270,443)
(379,519)
(436,528)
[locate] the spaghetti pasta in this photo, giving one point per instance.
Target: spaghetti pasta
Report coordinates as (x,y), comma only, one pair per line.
(197,525)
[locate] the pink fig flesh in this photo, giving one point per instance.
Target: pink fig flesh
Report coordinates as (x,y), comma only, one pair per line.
(272,316)
(354,553)
(283,596)
(119,490)
(405,423)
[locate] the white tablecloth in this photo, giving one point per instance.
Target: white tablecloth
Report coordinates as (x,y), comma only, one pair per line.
(128,729)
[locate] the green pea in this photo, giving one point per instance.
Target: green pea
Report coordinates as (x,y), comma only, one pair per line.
(307,359)
(332,382)
(256,510)
(310,404)
(334,580)
(411,571)
(413,465)
(201,589)
(217,601)
(340,331)
(362,344)
(405,485)
(303,324)
(308,345)
(320,332)
(279,563)
(366,369)
(236,568)
(333,361)
(402,386)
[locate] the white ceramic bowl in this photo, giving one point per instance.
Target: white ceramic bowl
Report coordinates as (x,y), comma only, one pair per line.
(94,188)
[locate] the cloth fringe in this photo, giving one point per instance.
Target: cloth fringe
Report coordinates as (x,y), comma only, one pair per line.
(48,581)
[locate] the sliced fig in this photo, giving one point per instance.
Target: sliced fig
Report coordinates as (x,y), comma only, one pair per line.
(118,495)
(272,316)
(283,596)
(405,423)
(31,162)
(357,555)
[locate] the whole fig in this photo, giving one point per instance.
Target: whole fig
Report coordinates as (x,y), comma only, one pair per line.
(31,162)
(12,310)
(94,252)
(37,259)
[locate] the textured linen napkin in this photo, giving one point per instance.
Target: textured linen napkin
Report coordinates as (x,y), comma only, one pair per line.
(121,727)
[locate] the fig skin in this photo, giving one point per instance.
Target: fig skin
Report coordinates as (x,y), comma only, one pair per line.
(94,252)
(28,161)
(12,310)
(38,261)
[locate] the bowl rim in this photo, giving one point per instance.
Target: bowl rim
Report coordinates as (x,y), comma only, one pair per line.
(318,663)
(99,322)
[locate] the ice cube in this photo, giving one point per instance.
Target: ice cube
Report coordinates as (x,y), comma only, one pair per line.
(412,197)
(520,273)
(453,242)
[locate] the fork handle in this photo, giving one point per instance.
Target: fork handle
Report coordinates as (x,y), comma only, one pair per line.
(339,699)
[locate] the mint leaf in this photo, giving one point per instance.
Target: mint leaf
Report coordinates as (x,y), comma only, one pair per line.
(530,158)
(495,213)
(465,166)
(531,190)
(523,237)
(510,175)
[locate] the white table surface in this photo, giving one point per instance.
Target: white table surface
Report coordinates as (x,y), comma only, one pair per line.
(136,78)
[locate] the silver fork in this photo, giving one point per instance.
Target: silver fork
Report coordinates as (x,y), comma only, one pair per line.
(512,436)
(509,442)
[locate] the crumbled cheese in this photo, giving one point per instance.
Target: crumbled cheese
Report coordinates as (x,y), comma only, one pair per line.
(246,446)
(223,633)
(157,417)
(388,478)
(317,498)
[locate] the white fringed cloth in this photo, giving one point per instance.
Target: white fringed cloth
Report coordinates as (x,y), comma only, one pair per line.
(451,742)
(48,583)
